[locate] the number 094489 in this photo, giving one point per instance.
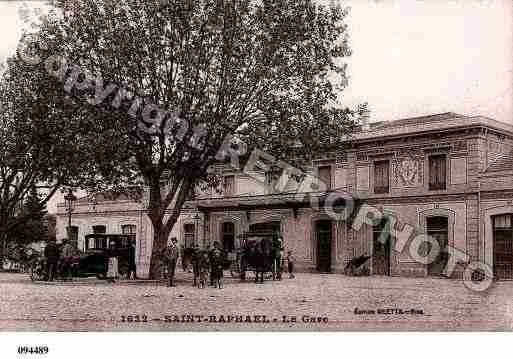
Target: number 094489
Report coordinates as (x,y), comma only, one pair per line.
(32,350)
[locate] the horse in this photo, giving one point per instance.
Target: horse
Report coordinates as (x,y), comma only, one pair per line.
(200,267)
(200,264)
(259,256)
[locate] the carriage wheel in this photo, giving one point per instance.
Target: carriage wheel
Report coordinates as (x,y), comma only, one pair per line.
(35,272)
(32,273)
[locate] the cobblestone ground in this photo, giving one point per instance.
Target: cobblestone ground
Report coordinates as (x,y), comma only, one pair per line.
(92,305)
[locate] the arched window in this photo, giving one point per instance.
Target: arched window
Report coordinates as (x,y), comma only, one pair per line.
(503,246)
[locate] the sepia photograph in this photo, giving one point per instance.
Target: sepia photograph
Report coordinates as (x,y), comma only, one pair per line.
(255,166)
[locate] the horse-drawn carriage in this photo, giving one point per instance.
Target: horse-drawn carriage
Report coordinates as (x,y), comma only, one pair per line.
(259,252)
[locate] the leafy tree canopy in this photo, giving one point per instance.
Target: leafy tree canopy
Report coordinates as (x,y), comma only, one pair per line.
(132,72)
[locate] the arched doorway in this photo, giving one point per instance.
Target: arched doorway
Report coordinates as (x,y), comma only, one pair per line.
(438,223)
(323,236)
(437,227)
(381,248)
(503,246)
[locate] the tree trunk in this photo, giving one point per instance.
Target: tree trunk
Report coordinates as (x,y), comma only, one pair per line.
(160,237)
(161,229)
(3,248)
(2,252)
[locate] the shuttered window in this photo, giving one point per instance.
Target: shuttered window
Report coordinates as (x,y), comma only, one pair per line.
(72,233)
(437,172)
(189,235)
(129,230)
(228,236)
(381,176)
(325,177)
(229,185)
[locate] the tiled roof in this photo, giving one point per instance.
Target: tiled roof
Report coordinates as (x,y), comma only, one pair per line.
(420,119)
(110,196)
(503,163)
(442,121)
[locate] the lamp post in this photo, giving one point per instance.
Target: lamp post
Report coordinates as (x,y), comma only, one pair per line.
(196,230)
(70,199)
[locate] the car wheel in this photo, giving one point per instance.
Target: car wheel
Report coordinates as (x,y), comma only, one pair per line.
(101,275)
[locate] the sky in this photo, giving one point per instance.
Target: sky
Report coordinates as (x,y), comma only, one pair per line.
(410,57)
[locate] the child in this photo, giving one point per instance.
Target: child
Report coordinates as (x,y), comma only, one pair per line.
(290,261)
(203,265)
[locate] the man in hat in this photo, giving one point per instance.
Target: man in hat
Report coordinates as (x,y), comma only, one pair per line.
(67,258)
(52,255)
(170,256)
(216,266)
(132,269)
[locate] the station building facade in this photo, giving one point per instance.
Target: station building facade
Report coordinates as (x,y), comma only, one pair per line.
(447,175)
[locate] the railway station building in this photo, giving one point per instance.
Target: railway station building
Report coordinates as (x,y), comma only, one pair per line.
(447,175)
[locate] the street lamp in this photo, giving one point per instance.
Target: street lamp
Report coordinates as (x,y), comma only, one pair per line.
(196,225)
(70,206)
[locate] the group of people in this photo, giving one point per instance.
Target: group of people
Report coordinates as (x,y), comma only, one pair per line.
(281,258)
(59,260)
(203,263)
(207,264)
(113,272)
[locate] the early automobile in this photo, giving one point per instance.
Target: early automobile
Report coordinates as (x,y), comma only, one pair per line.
(95,258)
(98,249)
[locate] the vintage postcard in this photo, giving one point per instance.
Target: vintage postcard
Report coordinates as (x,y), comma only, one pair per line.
(176,165)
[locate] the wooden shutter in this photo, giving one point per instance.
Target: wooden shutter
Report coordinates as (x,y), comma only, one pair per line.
(437,172)
(325,176)
(381,176)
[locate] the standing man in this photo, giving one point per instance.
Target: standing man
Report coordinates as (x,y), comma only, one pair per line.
(132,269)
(170,256)
(67,259)
(278,255)
(113,263)
(216,266)
(196,258)
(52,255)
(182,255)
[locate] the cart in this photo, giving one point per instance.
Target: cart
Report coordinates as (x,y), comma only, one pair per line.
(241,259)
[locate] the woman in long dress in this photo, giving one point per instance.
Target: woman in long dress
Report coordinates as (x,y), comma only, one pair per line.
(113,265)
